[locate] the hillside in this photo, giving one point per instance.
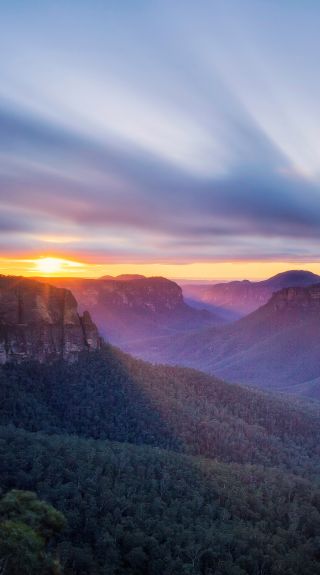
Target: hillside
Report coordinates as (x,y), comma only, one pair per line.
(238,298)
(275,347)
(41,322)
(162,470)
(110,395)
(134,510)
(128,308)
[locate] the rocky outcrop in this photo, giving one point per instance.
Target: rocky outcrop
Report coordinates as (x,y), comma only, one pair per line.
(154,296)
(136,308)
(40,321)
(296,297)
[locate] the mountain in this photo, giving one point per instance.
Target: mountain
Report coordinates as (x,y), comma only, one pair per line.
(276,347)
(124,277)
(109,395)
(41,322)
(293,278)
(130,308)
(238,298)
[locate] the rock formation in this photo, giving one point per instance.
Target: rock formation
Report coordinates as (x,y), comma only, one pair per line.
(40,321)
(296,297)
(134,308)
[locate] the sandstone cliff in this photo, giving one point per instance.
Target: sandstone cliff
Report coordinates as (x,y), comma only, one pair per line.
(40,321)
(297,297)
(130,308)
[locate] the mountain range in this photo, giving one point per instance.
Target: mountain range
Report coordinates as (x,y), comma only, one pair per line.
(275,347)
(238,298)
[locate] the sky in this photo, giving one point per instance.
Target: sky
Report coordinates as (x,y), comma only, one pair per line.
(168,138)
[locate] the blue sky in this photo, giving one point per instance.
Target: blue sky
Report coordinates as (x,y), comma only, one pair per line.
(164,131)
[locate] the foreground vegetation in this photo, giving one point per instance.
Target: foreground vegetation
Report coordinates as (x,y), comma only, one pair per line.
(141,510)
(159,470)
(27,529)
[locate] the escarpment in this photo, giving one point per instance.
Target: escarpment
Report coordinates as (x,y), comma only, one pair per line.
(297,297)
(40,321)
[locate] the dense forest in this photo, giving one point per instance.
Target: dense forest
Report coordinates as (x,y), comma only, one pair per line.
(27,530)
(140,510)
(110,395)
(162,470)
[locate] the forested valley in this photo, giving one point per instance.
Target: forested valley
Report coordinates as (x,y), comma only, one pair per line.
(160,470)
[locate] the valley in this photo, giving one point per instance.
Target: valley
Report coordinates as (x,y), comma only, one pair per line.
(131,453)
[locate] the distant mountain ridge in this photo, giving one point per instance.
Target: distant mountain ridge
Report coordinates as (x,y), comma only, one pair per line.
(275,347)
(39,321)
(124,277)
(238,298)
(292,278)
(128,308)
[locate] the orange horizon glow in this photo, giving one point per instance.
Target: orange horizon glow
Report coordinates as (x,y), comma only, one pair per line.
(54,266)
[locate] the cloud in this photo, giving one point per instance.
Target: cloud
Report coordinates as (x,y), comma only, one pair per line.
(156,138)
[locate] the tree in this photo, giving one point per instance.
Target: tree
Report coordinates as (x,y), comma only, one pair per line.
(27,526)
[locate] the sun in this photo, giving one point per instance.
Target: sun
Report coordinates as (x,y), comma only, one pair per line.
(49,266)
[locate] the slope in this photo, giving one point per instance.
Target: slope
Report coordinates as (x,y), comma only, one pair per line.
(109,395)
(276,347)
(137,510)
(238,298)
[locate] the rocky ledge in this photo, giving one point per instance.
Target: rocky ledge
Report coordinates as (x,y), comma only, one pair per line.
(297,297)
(40,321)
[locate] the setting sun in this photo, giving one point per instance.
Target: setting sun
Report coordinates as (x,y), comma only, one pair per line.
(49,265)
(52,266)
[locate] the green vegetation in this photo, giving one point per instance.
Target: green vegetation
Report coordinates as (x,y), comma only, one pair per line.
(27,527)
(162,470)
(141,510)
(110,395)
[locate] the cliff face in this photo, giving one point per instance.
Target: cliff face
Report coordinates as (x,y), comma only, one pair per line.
(155,295)
(143,295)
(41,322)
(130,309)
(297,297)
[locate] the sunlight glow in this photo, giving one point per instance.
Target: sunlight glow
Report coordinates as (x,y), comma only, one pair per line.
(214,271)
(52,266)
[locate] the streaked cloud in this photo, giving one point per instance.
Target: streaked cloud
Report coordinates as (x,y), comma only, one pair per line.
(166,132)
